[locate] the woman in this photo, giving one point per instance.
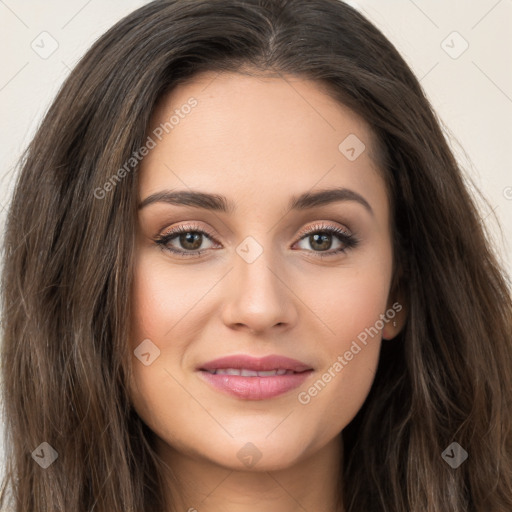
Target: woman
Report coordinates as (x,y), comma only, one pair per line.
(243,272)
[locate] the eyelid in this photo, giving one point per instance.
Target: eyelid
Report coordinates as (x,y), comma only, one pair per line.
(170,233)
(323,225)
(319,226)
(187,227)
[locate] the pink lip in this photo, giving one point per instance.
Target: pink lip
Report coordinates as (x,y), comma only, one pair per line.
(273,362)
(256,387)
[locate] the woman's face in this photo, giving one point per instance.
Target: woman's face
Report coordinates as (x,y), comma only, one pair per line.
(280,274)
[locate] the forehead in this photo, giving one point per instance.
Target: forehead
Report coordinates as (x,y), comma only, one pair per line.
(267,103)
(258,133)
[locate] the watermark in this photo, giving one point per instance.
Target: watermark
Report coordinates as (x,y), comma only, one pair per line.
(137,156)
(507,193)
(45,45)
(351,147)
(454,455)
(454,45)
(147,352)
(45,455)
(249,249)
(304,397)
(249,455)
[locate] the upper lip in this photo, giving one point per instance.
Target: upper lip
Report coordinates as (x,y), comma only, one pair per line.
(267,363)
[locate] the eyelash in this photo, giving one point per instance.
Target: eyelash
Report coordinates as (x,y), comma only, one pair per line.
(348,240)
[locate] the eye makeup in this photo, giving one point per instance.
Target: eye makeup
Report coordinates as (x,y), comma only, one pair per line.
(319,233)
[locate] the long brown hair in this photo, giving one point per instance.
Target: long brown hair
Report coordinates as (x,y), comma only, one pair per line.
(68,258)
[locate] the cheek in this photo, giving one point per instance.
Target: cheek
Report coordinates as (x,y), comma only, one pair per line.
(156,307)
(345,301)
(167,309)
(350,308)
(357,306)
(159,299)
(164,299)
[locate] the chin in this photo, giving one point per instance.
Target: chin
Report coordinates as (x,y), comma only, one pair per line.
(256,453)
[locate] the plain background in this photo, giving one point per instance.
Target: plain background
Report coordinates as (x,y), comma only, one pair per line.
(470,88)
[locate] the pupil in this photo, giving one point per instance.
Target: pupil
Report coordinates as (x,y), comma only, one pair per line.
(324,239)
(192,239)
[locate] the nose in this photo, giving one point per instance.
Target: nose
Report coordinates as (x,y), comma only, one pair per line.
(260,297)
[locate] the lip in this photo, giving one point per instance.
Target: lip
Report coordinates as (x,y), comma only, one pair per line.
(255,387)
(272,362)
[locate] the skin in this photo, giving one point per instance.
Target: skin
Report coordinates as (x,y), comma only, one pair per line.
(258,141)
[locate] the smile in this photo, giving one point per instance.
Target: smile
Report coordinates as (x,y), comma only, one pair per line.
(250,373)
(250,378)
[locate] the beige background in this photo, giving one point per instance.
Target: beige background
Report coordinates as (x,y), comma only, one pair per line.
(471,90)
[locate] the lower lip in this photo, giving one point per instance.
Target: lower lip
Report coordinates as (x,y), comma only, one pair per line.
(255,388)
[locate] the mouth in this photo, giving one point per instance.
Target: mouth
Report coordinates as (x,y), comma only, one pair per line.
(247,363)
(250,378)
(245,372)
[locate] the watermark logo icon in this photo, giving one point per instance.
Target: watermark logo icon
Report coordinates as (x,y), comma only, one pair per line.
(454,455)
(147,352)
(45,455)
(249,249)
(454,45)
(249,455)
(352,147)
(45,45)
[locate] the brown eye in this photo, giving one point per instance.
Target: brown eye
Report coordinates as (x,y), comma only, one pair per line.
(190,240)
(321,238)
(185,241)
(321,242)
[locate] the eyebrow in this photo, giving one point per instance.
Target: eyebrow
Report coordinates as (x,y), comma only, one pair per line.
(220,203)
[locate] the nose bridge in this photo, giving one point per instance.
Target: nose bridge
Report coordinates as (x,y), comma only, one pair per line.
(256,265)
(259,298)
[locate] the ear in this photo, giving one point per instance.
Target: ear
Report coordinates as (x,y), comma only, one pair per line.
(396,314)
(396,309)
